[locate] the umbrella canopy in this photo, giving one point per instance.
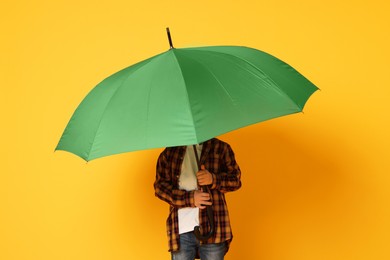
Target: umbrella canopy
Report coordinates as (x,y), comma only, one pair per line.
(182,97)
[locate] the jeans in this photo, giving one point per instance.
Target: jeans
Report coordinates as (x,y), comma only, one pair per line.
(189,244)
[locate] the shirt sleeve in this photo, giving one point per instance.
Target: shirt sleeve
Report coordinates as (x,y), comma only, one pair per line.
(164,188)
(230,178)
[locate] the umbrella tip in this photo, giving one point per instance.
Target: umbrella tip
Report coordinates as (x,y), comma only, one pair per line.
(169,38)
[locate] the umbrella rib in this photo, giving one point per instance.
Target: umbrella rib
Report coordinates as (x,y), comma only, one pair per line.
(188,99)
(110,99)
(215,77)
(256,68)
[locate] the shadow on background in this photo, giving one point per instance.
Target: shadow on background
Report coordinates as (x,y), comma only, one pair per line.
(291,184)
(291,181)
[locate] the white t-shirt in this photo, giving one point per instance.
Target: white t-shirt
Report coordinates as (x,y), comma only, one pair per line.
(189,217)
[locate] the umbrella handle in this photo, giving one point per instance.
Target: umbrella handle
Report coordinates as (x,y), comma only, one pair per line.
(209,209)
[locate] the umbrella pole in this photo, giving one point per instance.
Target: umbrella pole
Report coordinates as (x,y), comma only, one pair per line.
(209,209)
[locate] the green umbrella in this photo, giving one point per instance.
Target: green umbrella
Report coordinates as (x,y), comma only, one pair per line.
(181,97)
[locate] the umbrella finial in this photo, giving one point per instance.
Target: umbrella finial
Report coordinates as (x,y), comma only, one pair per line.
(169,38)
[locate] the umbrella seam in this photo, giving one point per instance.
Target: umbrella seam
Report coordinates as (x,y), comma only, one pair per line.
(252,65)
(215,77)
(109,101)
(188,99)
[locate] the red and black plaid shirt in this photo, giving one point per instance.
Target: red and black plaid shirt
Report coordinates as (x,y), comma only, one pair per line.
(218,158)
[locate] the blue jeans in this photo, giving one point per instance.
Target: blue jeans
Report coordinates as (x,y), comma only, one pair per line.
(189,244)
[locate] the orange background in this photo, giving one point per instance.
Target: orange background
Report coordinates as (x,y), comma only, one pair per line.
(315,185)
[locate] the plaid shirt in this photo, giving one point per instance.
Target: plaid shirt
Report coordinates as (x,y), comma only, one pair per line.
(218,158)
